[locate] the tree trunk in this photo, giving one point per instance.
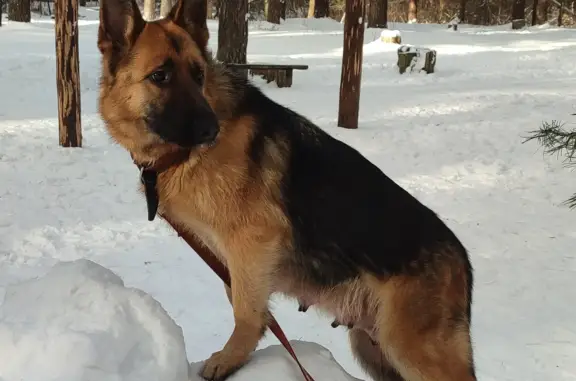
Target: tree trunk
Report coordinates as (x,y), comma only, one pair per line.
(82,3)
(165,7)
(378,14)
(68,72)
(1,5)
(543,8)
(534,12)
(232,31)
(209,9)
(518,14)
(351,76)
(462,13)
(560,12)
(274,11)
(149,9)
(319,8)
(19,10)
(412,11)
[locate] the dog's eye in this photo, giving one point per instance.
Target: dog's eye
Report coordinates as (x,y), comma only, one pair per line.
(160,76)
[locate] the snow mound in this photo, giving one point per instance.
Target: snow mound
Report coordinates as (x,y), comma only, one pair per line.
(275,360)
(80,323)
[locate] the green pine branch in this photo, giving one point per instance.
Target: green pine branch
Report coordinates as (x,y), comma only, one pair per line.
(557,140)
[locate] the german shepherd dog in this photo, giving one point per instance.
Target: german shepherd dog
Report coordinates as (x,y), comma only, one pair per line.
(284,206)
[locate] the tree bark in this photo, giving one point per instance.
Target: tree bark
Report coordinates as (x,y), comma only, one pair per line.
(149,9)
(412,11)
(209,9)
(543,8)
(165,7)
(19,10)
(319,8)
(232,31)
(68,72)
(82,3)
(1,4)
(518,14)
(462,13)
(274,11)
(534,12)
(560,12)
(351,76)
(378,14)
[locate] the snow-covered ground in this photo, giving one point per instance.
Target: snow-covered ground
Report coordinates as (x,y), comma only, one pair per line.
(453,139)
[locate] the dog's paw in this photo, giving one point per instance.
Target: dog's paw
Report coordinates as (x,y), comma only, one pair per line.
(221,365)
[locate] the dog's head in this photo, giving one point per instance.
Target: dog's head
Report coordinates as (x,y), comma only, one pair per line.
(152,81)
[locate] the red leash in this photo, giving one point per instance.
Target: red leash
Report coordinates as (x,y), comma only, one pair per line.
(222,272)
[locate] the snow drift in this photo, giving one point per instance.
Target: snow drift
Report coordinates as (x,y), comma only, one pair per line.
(80,323)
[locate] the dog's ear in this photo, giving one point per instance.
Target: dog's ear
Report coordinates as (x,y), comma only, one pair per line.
(120,25)
(191,16)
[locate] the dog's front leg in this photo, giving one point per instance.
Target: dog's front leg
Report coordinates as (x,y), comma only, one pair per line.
(249,294)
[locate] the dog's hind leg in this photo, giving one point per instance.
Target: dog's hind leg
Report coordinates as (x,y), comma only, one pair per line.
(369,354)
(423,325)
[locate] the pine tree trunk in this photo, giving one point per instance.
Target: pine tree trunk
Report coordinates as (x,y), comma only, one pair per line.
(560,12)
(165,7)
(543,9)
(149,9)
(319,8)
(68,72)
(209,9)
(351,76)
(82,3)
(311,7)
(412,11)
(274,11)
(378,14)
(518,14)
(462,13)
(1,5)
(19,10)
(534,12)
(232,31)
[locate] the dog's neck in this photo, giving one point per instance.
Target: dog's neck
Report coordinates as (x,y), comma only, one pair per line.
(149,176)
(168,160)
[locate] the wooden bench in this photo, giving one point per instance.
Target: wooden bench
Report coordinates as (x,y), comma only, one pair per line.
(281,74)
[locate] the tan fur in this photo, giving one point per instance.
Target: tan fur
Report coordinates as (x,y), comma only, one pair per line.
(419,328)
(403,322)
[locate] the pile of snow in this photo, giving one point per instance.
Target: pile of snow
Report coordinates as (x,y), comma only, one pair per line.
(80,323)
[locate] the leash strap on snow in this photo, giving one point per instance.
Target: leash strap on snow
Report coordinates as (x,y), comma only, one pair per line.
(220,270)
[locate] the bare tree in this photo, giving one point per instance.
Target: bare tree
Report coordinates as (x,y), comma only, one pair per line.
(518,14)
(378,14)
(351,77)
(534,12)
(462,10)
(19,10)
(274,11)
(412,11)
(68,72)
(560,12)
(232,31)
(319,8)
(149,9)
(166,7)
